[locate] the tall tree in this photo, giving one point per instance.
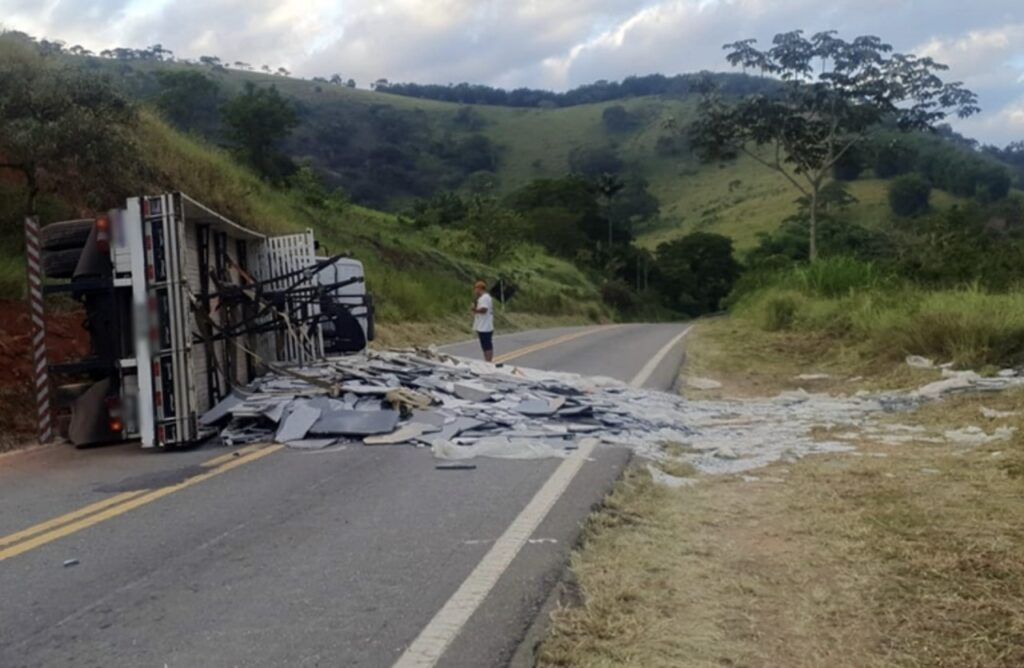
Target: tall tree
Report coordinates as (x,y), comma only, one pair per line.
(60,127)
(697,271)
(831,95)
(257,121)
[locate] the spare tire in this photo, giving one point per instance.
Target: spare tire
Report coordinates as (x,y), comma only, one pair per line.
(65,235)
(61,263)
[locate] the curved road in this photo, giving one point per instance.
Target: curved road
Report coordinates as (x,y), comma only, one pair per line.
(274,557)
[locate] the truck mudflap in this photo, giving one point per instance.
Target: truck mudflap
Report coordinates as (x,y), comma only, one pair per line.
(90,419)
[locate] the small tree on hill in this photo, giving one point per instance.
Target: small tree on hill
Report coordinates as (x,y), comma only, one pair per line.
(831,95)
(496,230)
(257,121)
(909,194)
(61,128)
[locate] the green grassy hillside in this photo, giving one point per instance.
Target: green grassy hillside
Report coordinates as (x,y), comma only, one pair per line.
(412,280)
(388,150)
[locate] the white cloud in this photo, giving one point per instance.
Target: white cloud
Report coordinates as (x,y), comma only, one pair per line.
(986,57)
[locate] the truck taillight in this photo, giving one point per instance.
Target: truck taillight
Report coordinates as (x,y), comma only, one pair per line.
(114,421)
(103,234)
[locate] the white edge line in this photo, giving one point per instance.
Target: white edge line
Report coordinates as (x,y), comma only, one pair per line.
(435,638)
(652,364)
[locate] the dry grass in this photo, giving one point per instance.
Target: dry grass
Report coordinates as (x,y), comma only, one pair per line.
(758,363)
(913,559)
(907,556)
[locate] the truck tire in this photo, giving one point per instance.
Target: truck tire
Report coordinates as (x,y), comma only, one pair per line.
(61,263)
(66,235)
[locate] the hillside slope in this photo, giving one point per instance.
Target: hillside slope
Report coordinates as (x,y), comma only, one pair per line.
(388,150)
(412,280)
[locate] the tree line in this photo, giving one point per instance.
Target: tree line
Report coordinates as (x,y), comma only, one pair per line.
(157,53)
(598,91)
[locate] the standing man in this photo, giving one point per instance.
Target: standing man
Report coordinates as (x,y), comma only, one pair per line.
(483,319)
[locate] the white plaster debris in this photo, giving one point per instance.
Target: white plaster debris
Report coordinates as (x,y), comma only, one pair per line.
(918,362)
(521,413)
(675,482)
(703,383)
(993,414)
(974,435)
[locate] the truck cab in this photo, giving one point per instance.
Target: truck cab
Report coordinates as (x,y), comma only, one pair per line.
(346,306)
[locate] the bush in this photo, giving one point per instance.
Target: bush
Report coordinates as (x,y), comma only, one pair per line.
(909,194)
(618,295)
(593,161)
(779,310)
(837,276)
(893,158)
(617,119)
(969,327)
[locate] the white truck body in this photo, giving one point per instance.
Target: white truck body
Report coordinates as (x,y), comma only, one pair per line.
(208,304)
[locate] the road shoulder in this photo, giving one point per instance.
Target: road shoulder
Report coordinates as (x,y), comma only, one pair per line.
(904,551)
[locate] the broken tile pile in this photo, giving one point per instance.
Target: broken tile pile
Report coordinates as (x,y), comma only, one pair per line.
(464,409)
(460,408)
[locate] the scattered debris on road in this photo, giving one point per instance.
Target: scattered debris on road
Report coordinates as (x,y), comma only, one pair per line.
(68,563)
(460,408)
(464,409)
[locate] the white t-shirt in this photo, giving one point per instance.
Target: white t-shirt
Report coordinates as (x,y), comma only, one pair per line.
(484,322)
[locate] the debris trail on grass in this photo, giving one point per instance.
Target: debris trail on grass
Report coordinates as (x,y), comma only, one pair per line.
(464,409)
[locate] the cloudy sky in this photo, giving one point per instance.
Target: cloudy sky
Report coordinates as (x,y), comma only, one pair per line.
(552,44)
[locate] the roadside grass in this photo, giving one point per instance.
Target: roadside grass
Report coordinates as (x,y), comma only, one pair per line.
(749,361)
(850,305)
(908,558)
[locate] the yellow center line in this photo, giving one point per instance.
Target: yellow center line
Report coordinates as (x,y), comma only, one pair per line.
(126,505)
(69,517)
(32,537)
(550,343)
(217,461)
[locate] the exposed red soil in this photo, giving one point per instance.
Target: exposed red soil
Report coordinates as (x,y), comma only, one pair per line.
(66,339)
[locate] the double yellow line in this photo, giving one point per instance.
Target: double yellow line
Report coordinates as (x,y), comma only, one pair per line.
(40,534)
(22,541)
(550,343)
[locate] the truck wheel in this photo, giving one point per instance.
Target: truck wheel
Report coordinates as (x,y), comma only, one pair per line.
(66,235)
(61,263)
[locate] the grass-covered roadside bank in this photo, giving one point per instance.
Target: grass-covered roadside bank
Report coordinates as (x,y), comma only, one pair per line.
(858,305)
(896,555)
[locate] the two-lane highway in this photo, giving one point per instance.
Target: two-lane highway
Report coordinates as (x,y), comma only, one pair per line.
(361,556)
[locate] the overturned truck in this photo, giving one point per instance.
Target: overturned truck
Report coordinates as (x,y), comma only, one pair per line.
(181,305)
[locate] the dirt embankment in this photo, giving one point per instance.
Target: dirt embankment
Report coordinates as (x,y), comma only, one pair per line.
(66,339)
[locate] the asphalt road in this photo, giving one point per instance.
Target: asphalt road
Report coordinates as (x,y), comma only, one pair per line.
(276,557)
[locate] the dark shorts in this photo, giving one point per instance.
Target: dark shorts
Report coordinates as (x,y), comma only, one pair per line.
(486,341)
